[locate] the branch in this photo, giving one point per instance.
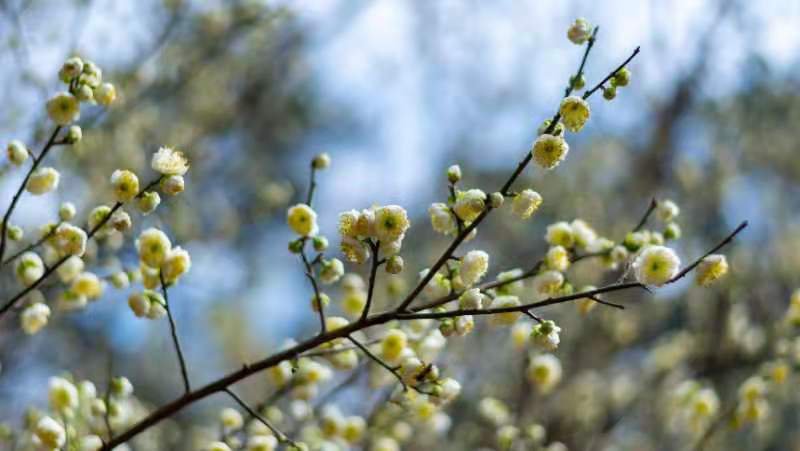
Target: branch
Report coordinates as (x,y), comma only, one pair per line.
(282,438)
(174,331)
(375,247)
(380,362)
(11,302)
(33,245)
(313,281)
(650,210)
(21,189)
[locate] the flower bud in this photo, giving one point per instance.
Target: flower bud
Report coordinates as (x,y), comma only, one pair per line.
(320,243)
(496,199)
(17,153)
(609,93)
(172,184)
(15,233)
(321,161)
(74,135)
(454,174)
(148,202)
(394,265)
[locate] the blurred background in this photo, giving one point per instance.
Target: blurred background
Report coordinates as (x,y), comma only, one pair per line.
(395,91)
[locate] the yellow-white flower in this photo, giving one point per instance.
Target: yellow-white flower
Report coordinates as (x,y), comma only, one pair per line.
(469,204)
(332,270)
(70,240)
(105,94)
(169,161)
(473,267)
(17,152)
(50,433)
(354,250)
(710,269)
(560,234)
(545,372)
(43,180)
(176,263)
(63,108)
(580,31)
(574,113)
(526,203)
(548,283)
(34,318)
(125,184)
(549,151)
(583,233)
(87,284)
(471,299)
(302,220)
(231,419)
(442,219)
(30,268)
(70,269)
(153,246)
(62,394)
(656,265)
(262,443)
(557,258)
(545,335)
(393,344)
(391,222)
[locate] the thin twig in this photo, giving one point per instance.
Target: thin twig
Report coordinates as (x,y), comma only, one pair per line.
(33,245)
(49,271)
(175,341)
(278,434)
(375,247)
(380,362)
(650,209)
(36,161)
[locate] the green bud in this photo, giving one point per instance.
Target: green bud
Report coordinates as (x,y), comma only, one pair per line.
(15,233)
(672,231)
(609,93)
(320,243)
(74,135)
(148,202)
(578,83)
(296,246)
(621,78)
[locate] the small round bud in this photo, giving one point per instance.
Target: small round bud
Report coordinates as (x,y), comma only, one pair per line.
(320,243)
(84,93)
(17,153)
(672,231)
(622,77)
(321,161)
(609,93)
(15,233)
(395,264)
(580,31)
(172,184)
(125,184)
(578,82)
(105,94)
(296,246)
(71,68)
(496,199)
(74,135)
(148,202)
(454,174)
(121,387)
(66,211)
